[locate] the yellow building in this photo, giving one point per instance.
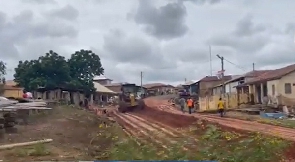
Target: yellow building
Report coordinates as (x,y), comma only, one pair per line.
(276,87)
(12,92)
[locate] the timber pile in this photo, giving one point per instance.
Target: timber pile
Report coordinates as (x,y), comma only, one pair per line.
(11,110)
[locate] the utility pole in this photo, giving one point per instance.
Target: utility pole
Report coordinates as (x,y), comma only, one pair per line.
(253,66)
(210,60)
(142,93)
(222,72)
(141,75)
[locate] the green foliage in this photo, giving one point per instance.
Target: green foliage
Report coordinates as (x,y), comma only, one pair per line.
(53,70)
(2,71)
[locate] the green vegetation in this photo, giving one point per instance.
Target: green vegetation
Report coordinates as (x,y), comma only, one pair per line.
(101,139)
(278,122)
(53,70)
(213,144)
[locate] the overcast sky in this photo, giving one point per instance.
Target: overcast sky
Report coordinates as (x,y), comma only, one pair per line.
(166,39)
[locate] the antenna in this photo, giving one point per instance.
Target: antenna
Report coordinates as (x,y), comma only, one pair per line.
(210,60)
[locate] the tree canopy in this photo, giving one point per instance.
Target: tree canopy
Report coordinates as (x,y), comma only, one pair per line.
(53,70)
(2,71)
(2,74)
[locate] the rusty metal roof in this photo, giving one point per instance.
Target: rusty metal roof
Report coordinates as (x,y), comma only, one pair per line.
(151,85)
(214,78)
(273,74)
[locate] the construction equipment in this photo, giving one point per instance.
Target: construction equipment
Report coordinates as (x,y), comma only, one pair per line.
(129,99)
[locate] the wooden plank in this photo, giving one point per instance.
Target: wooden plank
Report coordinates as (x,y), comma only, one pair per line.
(10,146)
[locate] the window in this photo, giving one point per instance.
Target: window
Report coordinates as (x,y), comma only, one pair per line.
(273,90)
(288,89)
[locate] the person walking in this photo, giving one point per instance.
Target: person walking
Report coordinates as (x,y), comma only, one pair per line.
(190,105)
(220,107)
(182,104)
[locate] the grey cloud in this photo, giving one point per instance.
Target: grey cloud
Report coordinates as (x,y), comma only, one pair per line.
(21,28)
(24,17)
(247,45)
(164,75)
(246,27)
(247,37)
(131,49)
(276,54)
(40,1)
(290,28)
(67,12)
(53,30)
(2,19)
(166,22)
(201,2)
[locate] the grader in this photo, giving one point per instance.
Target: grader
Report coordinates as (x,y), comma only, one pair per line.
(129,99)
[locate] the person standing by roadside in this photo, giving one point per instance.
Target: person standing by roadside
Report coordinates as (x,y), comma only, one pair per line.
(182,104)
(25,95)
(220,107)
(190,105)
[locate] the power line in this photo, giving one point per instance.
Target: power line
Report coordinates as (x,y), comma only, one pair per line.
(240,67)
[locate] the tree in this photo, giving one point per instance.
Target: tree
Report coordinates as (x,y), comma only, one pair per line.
(84,65)
(51,70)
(2,71)
(2,76)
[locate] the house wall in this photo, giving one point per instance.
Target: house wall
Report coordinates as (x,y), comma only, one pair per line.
(217,90)
(290,78)
(281,98)
(205,86)
(16,93)
(231,101)
(159,89)
(231,87)
(115,88)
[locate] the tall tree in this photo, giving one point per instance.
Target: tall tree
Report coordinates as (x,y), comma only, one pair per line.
(2,71)
(84,65)
(2,76)
(50,70)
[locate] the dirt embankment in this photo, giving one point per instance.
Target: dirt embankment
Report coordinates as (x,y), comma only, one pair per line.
(173,120)
(71,130)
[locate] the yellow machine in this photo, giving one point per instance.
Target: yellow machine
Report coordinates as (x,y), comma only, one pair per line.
(129,100)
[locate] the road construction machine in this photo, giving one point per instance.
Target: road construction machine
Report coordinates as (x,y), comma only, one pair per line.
(130,98)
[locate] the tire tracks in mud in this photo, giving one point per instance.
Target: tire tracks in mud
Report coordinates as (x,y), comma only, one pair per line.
(148,131)
(252,126)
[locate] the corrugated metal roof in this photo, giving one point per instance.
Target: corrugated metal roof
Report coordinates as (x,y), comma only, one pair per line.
(101,88)
(189,83)
(151,85)
(215,78)
(273,74)
(101,77)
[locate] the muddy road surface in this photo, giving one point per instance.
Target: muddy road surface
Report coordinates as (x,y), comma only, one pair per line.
(286,133)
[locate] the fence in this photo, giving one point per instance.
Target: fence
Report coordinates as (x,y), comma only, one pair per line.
(232,100)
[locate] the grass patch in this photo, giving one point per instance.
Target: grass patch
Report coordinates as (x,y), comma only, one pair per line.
(277,122)
(229,146)
(214,143)
(37,150)
(97,138)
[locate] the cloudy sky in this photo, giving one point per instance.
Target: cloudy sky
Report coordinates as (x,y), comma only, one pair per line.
(166,39)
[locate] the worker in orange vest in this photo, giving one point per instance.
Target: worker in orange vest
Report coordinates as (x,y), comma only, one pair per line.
(190,104)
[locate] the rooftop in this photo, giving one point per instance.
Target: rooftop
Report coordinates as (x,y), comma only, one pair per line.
(215,78)
(101,88)
(101,77)
(273,74)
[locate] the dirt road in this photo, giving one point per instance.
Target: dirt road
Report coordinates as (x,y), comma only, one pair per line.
(286,133)
(156,127)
